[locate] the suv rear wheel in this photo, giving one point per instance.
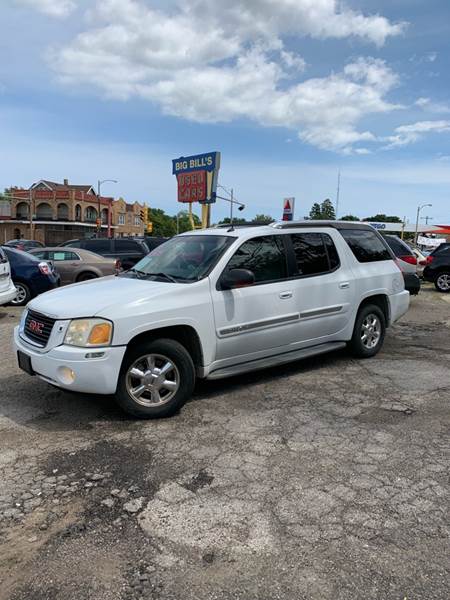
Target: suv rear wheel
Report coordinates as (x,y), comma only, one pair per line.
(156,379)
(442,282)
(369,332)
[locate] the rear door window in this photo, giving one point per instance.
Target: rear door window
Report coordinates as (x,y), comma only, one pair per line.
(128,246)
(365,245)
(315,253)
(102,246)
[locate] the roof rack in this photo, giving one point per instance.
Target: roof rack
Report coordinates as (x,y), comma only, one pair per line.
(313,223)
(238,225)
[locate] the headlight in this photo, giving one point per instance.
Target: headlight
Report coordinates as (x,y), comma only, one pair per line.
(89,332)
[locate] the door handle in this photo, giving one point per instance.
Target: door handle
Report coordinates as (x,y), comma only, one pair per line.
(285,295)
(344,285)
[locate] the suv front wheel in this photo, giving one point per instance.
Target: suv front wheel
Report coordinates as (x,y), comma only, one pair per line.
(156,379)
(369,332)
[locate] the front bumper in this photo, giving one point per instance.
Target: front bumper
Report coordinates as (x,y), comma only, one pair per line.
(67,367)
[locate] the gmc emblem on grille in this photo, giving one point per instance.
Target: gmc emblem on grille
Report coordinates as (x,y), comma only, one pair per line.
(36,327)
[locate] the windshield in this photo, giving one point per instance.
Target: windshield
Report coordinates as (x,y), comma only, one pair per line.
(182,258)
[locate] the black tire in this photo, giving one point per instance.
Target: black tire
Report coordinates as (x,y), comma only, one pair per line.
(24,294)
(181,378)
(442,282)
(86,276)
(358,346)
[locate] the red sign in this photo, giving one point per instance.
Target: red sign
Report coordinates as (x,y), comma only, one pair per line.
(192,186)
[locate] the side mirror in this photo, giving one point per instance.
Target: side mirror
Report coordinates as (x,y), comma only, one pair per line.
(237,278)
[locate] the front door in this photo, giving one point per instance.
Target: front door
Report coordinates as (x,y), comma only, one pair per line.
(258,320)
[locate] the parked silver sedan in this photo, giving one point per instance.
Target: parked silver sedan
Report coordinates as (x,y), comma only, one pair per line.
(74,264)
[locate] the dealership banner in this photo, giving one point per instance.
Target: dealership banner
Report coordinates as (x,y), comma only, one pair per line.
(197,177)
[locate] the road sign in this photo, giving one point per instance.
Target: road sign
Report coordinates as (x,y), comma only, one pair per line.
(197,177)
(288,209)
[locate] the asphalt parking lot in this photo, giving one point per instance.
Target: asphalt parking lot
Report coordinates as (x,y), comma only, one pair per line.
(325,479)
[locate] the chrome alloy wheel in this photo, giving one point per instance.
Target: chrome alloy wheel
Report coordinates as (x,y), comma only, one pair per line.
(370,331)
(152,380)
(443,282)
(21,294)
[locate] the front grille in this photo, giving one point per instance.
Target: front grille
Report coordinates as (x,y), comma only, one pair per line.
(38,328)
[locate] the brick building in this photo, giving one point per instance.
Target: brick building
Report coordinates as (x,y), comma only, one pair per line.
(61,211)
(127,218)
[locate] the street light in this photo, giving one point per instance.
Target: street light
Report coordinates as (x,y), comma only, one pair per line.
(419,208)
(99,218)
(232,202)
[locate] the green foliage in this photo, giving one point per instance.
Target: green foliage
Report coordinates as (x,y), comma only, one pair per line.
(184,223)
(382,218)
(349,218)
(262,219)
(163,225)
(324,211)
(235,221)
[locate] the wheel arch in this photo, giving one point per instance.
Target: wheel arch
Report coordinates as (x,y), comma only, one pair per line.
(380,300)
(86,272)
(186,335)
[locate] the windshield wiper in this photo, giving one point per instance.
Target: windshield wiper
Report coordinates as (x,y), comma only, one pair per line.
(139,274)
(161,274)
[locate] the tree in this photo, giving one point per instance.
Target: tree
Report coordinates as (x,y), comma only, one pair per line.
(163,225)
(324,211)
(184,223)
(315,213)
(235,221)
(262,219)
(382,218)
(350,218)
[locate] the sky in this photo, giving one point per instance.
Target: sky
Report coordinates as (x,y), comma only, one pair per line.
(289,91)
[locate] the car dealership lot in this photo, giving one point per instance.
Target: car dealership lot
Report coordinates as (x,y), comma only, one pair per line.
(324,479)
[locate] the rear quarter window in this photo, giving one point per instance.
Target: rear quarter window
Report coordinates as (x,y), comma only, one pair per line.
(398,247)
(365,245)
(129,246)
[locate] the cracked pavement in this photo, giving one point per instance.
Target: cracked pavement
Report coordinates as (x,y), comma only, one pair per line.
(324,479)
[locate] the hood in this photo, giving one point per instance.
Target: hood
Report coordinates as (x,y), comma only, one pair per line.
(94,297)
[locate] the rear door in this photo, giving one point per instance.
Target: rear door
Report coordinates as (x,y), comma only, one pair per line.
(66,263)
(323,288)
(5,273)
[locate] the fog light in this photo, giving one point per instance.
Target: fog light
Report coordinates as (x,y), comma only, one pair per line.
(66,375)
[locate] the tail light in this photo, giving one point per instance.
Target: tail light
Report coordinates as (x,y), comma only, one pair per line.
(412,260)
(44,268)
(422,262)
(429,260)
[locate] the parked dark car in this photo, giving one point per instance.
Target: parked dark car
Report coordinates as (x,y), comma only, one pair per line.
(154,242)
(437,268)
(406,262)
(30,275)
(24,244)
(128,251)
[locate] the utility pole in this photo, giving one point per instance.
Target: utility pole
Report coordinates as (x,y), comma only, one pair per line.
(99,216)
(338,192)
(426,219)
(30,202)
(419,208)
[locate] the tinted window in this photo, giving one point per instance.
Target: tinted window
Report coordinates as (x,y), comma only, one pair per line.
(398,247)
(264,256)
(74,244)
(128,246)
(333,255)
(442,249)
(98,245)
(311,253)
(365,245)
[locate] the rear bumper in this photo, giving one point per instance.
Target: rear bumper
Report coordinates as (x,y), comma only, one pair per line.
(399,304)
(412,283)
(8,294)
(67,367)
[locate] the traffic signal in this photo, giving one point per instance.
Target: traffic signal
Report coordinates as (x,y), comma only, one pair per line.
(143,215)
(149,227)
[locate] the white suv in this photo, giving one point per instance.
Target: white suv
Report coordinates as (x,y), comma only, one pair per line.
(212,304)
(7,289)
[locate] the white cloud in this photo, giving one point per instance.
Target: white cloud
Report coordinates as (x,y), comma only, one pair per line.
(428,105)
(53,8)
(210,62)
(408,134)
